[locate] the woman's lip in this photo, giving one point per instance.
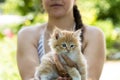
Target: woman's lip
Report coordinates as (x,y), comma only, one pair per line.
(56,5)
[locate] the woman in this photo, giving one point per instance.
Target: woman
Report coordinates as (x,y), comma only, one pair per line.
(33,41)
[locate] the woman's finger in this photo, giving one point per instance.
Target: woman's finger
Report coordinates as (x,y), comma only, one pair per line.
(58,63)
(68,61)
(64,78)
(59,66)
(60,78)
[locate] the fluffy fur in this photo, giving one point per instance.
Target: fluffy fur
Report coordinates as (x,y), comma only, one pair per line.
(68,43)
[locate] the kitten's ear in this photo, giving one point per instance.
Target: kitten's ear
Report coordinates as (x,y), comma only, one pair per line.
(57,33)
(77,33)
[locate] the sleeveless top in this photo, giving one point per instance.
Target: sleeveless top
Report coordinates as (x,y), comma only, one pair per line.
(41,50)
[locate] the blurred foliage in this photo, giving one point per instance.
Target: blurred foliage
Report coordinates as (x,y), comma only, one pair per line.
(105,15)
(9,7)
(109,9)
(1,1)
(22,7)
(100,13)
(8,65)
(30,6)
(88,11)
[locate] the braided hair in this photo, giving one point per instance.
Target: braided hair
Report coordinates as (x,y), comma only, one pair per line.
(78,21)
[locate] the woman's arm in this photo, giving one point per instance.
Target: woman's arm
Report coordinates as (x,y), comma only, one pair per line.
(94,52)
(27,57)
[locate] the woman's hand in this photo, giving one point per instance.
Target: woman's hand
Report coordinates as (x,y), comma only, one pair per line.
(60,67)
(69,62)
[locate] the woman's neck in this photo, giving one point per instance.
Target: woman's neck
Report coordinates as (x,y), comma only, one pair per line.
(66,23)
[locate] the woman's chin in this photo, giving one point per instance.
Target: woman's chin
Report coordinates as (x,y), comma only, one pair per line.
(57,15)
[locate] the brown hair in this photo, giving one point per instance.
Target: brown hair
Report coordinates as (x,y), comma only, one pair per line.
(78,21)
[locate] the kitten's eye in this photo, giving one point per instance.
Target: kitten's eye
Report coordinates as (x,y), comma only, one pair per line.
(72,46)
(63,45)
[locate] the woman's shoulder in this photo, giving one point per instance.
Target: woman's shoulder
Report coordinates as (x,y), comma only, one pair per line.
(32,30)
(31,34)
(92,32)
(93,29)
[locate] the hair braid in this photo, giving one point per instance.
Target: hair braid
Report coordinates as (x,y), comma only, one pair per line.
(78,21)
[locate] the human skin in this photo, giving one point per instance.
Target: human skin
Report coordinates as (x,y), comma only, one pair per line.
(28,38)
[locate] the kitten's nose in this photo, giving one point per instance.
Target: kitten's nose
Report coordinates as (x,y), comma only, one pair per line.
(68,51)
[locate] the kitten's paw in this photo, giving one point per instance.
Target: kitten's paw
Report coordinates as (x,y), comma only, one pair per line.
(75,78)
(44,78)
(74,73)
(83,77)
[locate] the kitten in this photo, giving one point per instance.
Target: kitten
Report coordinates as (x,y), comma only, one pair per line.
(68,43)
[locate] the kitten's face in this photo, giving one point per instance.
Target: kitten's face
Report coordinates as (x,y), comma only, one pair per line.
(65,46)
(65,41)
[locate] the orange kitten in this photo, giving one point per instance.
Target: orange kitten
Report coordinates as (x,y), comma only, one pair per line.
(68,43)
